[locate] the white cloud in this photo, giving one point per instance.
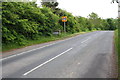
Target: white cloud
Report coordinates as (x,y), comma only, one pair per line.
(38,2)
(103,8)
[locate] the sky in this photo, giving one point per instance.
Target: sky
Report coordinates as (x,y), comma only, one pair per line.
(83,8)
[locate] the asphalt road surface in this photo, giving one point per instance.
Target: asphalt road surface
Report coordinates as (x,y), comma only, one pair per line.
(83,56)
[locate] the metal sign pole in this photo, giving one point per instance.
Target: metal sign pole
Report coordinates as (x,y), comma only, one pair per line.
(64,28)
(64,19)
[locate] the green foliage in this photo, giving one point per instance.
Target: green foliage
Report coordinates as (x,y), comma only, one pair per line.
(117,49)
(51,22)
(112,23)
(52,5)
(102,24)
(22,21)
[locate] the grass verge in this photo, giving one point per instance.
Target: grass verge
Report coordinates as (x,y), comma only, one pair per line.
(117,50)
(42,39)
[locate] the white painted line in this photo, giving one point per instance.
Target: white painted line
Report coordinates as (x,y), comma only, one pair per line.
(35,49)
(85,40)
(26,52)
(78,63)
(46,62)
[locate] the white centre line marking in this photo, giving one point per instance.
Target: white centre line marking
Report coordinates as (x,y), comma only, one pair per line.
(86,40)
(79,63)
(46,62)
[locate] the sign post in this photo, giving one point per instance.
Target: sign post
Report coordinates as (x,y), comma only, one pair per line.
(64,28)
(64,19)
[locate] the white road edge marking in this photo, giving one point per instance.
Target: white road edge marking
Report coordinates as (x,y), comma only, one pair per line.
(35,49)
(26,52)
(46,62)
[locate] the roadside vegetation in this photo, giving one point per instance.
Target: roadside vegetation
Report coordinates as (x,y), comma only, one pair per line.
(116,49)
(41,39)
(117,46)
(25,24)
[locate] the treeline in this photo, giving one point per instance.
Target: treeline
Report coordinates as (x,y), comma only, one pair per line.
(25,21)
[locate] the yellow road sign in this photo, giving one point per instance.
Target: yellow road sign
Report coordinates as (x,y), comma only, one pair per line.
(64,19)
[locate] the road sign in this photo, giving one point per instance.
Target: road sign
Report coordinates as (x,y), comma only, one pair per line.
(64,19)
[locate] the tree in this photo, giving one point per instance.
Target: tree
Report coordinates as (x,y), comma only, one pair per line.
(93,15)
(111,24)
(52,5)
(94,21)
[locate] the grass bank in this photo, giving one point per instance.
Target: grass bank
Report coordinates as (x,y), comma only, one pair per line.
(42,39)
(117,50)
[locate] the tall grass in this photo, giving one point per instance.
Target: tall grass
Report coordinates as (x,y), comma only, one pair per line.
(117,49)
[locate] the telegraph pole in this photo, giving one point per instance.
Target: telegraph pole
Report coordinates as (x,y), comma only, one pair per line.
(118,1)
(118,7)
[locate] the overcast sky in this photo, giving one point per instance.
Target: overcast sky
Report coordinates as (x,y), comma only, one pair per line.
(103,8)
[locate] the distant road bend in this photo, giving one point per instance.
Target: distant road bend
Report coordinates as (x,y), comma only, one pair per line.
(83,56)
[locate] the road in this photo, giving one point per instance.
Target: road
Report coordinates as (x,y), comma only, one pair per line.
(83,56)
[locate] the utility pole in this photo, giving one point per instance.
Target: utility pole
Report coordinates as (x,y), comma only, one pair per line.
(118,7)
(118,1)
